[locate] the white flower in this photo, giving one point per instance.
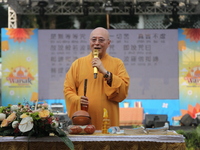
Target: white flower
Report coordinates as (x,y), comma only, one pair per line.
(14,124)
(54,124)
(2,116)
(14,107)
(26,124)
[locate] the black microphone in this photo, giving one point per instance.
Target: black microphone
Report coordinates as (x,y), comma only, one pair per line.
(95,54)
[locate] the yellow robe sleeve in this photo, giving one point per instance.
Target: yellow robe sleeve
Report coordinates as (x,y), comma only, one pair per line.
(70,91)
(118,91)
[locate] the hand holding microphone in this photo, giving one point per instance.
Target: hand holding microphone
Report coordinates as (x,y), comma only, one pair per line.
(97,64)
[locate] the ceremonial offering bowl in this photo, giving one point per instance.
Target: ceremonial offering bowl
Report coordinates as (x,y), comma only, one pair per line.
(81,117)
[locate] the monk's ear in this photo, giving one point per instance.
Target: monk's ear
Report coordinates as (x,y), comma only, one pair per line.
(109,41)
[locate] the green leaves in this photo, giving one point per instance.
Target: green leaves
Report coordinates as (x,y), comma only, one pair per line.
(192,138)
(63,136)
(198,131)
(60,132)
(6,131)
(67,141)
(35,116)
(1,109)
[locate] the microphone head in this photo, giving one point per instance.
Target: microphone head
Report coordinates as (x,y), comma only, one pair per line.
(95,52)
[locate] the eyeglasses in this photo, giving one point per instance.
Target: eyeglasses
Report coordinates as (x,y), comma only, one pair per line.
(100,40)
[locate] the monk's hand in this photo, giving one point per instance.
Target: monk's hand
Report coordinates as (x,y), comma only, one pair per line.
(84,100)
(96,62)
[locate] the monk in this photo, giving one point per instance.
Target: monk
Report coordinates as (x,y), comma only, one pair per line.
(106,90)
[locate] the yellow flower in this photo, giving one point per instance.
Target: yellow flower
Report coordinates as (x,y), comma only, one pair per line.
(11,117)
(24,115)
(4,123)
(44,113)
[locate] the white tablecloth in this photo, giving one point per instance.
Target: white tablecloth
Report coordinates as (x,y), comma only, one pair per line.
(109,137)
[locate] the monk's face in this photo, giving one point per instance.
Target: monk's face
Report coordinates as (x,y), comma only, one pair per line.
(99,39)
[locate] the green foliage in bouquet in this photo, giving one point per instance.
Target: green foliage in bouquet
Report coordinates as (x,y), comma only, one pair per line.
(20,120)
(192,138)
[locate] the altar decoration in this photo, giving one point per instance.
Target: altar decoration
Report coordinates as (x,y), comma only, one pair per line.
(25,120)
(106,122)
(81,123)
(81,117)
(81,129)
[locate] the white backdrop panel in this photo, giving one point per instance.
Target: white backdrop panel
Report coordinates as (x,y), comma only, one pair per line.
(150,56)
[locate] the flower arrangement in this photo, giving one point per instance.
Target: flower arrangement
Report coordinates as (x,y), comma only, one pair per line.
(22,120)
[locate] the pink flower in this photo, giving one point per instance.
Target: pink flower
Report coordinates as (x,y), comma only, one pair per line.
(45,105)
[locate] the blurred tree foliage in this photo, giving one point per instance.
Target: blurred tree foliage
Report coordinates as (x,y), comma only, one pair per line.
(91,22)
(3,20)
(183,21)
(67,22)
(4,17)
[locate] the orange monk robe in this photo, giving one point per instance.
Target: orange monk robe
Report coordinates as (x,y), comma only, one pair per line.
(99,93)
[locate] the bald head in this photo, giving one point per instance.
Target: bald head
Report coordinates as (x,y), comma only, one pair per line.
(101,30)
